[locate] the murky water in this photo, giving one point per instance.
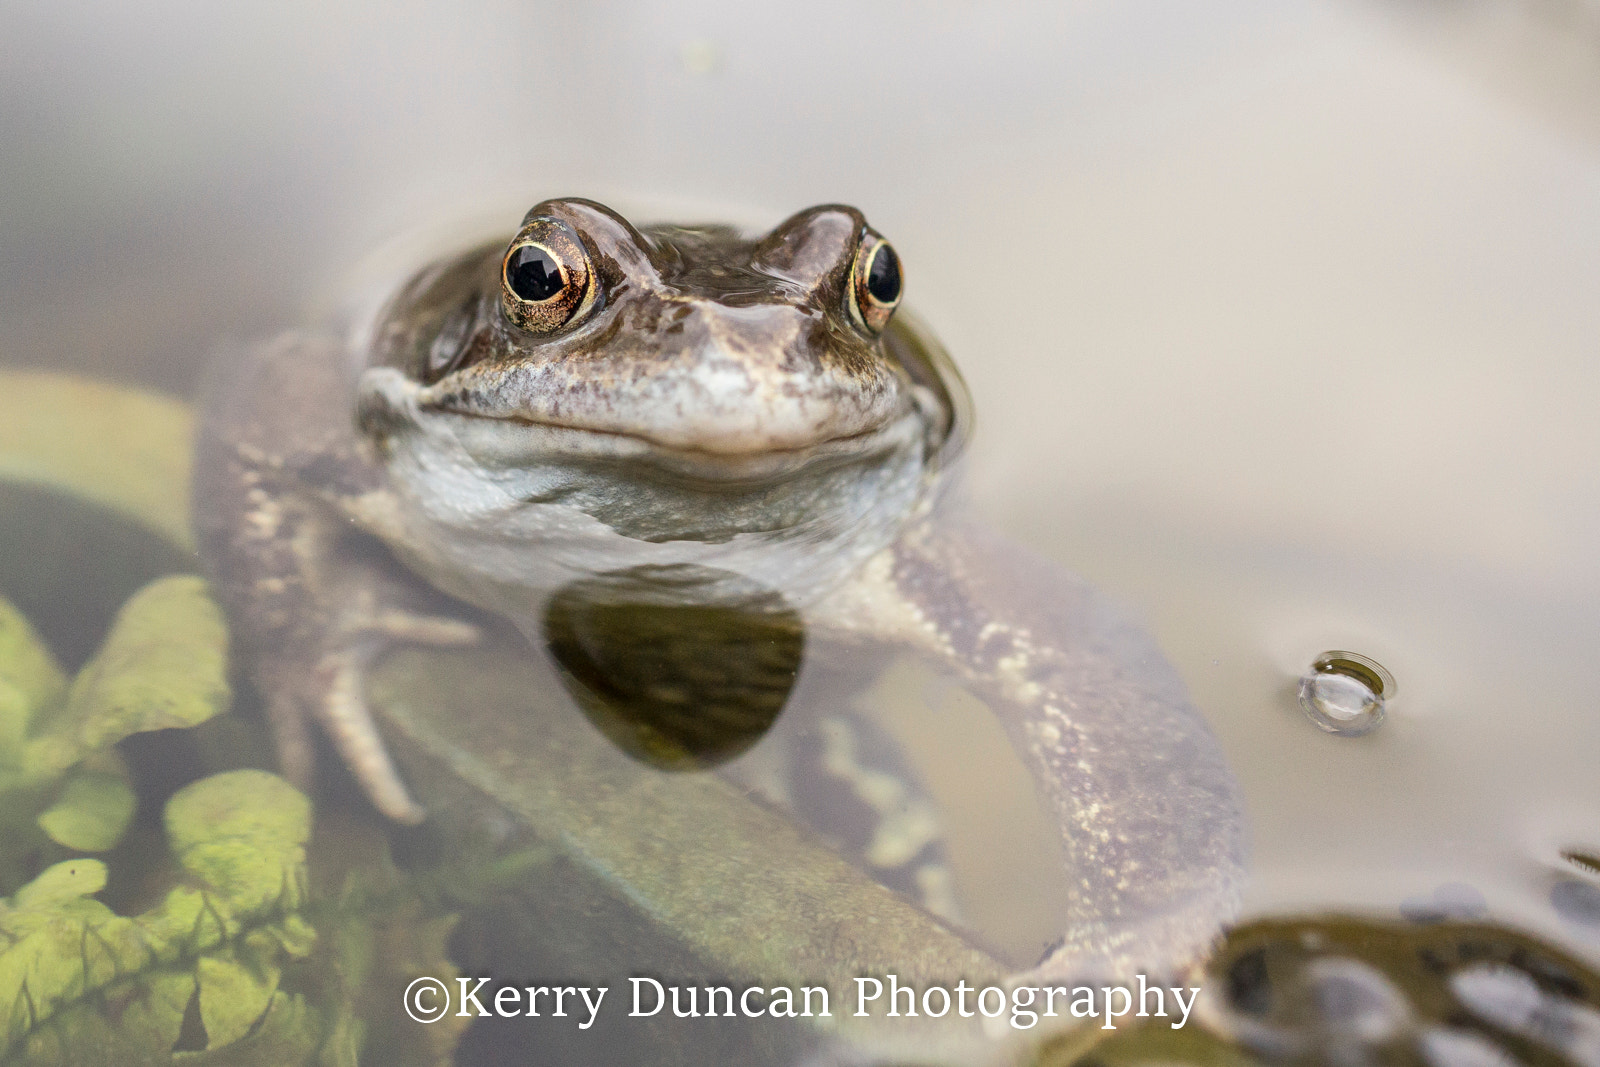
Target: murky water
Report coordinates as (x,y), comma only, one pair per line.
(1280,320)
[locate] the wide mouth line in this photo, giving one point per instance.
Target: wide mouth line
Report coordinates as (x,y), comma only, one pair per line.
(529,442)
(829,445)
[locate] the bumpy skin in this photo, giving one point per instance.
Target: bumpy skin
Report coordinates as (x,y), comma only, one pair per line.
(703,403)
(1150,815)
(279,473)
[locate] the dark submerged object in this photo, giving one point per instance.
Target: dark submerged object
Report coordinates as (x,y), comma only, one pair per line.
(681,686)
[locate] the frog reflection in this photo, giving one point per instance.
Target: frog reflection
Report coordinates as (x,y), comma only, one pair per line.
(591,397)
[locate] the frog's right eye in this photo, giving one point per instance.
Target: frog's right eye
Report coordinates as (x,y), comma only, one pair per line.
(876,284)
(545,280)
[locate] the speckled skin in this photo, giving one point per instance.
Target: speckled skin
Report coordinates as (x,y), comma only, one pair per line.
(720,403)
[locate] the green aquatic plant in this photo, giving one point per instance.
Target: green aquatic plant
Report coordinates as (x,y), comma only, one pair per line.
(163,665)
(234,963)
(63,788)
(80,983)
(233,966)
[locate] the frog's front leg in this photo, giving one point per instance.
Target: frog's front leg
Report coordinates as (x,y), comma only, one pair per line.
(1150,816)
(282,487)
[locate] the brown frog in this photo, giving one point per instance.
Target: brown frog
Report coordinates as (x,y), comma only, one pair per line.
(592,398)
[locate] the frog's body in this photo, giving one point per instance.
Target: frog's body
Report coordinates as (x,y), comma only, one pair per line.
(593,399)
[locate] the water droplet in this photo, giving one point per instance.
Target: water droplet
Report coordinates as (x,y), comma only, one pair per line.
(1344,693)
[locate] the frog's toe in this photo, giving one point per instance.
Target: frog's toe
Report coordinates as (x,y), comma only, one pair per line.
(344,714)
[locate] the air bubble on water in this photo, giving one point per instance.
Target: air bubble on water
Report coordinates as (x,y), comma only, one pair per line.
(1344,693)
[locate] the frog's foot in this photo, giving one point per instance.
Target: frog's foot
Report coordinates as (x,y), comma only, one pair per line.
(331,687)
(343,711)
(332,690)
(342,707)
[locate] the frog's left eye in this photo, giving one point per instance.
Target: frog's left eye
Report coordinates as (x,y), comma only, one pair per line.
(875,282)
(545,280)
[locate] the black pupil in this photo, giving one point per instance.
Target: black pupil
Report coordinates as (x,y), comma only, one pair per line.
(883,277)
(534,276)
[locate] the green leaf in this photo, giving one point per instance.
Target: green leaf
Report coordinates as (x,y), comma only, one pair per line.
(48,961)
(91,813)
(233,997)
(125,449)
(64,881)
(163,665)
(296,936)
(29,680)
(68,963)
(154,1018)
(226,971)
(289,1034)
(243,833)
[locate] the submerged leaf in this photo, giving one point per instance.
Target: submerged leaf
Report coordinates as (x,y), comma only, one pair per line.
(79,983)
(386,931)
(153,1018)
(230,967)
(233,997)
(163,665)
(29,680)
(91,812)
(244,834)
(65,881)
(123,449)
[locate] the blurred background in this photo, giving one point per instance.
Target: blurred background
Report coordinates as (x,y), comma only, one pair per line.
(1282,318)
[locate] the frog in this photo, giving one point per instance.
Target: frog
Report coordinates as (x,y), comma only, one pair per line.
(699,410)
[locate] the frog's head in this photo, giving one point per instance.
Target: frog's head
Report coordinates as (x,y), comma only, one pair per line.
(674,382)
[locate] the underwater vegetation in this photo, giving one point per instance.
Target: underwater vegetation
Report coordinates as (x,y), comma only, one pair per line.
(229,962)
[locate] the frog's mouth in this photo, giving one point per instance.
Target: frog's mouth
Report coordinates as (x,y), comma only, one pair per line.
(503,439)
(510,441)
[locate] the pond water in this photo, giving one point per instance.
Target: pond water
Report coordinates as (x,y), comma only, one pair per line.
(1280,320)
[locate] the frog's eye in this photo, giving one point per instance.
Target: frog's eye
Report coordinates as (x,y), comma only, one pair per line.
(875,282)
(545,280)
